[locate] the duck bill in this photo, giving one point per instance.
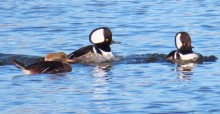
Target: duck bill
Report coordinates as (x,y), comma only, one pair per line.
(115,42)
(70,61)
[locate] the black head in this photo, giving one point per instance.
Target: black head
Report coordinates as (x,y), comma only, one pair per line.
(101,35)
(102,38)
(183,42)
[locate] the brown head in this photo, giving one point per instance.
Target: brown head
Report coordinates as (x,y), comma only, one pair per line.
(60,56)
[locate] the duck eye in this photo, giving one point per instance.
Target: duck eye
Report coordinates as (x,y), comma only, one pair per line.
(106,40)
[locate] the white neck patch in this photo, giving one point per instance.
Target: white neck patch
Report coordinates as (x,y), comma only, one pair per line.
(108,55)
(178,41)
(98,36)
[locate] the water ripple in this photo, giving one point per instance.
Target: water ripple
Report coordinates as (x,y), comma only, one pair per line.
(139,81)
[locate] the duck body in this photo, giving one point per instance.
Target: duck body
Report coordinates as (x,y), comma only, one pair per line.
(100,51)
(41,67)
(177,55)
(91,54)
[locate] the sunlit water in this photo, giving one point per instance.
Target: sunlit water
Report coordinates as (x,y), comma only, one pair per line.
(37,27)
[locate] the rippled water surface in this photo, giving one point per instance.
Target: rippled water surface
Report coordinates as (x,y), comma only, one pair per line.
(37,27)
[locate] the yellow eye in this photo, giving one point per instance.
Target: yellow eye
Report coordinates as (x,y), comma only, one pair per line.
(106,40)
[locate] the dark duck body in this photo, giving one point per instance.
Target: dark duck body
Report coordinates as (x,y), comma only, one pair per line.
(54,63)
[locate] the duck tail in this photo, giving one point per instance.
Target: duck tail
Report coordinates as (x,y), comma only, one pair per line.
(18,64)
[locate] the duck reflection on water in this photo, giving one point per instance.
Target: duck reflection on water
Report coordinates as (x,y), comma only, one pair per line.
(185,71)
(101,69)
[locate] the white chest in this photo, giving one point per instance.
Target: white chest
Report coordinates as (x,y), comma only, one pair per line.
(108,55)
(191,56)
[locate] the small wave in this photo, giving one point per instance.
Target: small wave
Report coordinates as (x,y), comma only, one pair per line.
(5,59)
(143,58)
(156,57)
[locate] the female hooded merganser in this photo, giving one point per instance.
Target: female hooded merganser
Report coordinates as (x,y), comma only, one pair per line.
(184,49)
(100,51)
(54,63)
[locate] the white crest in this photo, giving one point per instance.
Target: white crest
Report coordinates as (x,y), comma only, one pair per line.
(98,36)
(178,41)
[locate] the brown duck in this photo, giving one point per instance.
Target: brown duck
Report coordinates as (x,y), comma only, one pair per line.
(54,63)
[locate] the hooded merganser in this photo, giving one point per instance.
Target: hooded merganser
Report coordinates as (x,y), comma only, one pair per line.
(100,51)
(184,48)
(54,63)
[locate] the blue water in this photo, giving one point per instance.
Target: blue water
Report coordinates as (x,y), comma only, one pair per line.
(38,27)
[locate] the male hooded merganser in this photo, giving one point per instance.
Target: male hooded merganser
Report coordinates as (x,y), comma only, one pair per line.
(100,51)
(184,48)
(54,63)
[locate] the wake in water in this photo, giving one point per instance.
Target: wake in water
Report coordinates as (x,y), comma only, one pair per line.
(155,57)
(5,59)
